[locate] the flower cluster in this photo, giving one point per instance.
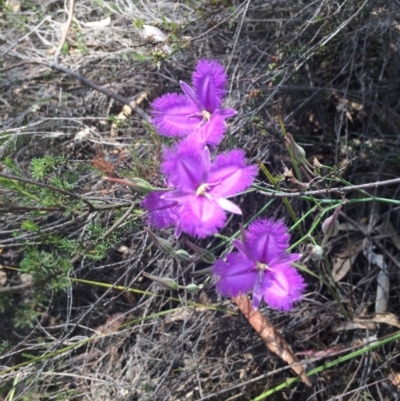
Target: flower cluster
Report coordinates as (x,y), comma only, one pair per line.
(262,265)
(199,187)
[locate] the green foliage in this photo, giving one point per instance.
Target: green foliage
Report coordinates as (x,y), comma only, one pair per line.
(103,243)
(41,263)
(170,26)
(65,48)
(157,57)
(139,57)
(4,6)
(49,267)
(46,263)
(80,39)
(42,167)
(45,168)
(5,303)
(4,136)
(139,23)
(26,314)
(9,163)
(4,345)
(120,123)
(29,225)
(62,184)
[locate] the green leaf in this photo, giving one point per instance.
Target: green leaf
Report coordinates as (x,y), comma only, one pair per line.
(30,226)
(65,49)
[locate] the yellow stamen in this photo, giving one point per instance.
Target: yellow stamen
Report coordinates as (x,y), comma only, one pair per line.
(206,116)
(201,190)
(262,266)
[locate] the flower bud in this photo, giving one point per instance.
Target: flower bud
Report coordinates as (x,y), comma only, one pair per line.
(166,282)
(183,256)
(162,244)
(298,152)
(315,251)
(330,227)
(138,185)
(317,166)
(203,254)
(193,287)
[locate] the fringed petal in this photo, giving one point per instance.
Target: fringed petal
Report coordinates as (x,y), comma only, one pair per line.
(231,174)
(161,213)
(175,115)
(200,217)
(283,287)
(186,165)
(209,80)
(235,276)
(267,240)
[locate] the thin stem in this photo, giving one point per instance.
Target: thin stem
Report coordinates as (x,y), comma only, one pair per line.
(131,103)
(11,209)
(66,30)
(51,187)
(339,190)
(288,206)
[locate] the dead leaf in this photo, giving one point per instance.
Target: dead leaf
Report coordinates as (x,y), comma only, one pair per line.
(81,135)
(383,283)
(387,318)
(150,31)
(355,325)
(3,278)
(349,227)
(344,259)
(101,164)
(323,353)
(98,24)
(178,316)
(387,230)
(122,117)
(14,5)
(270,335)
(26,279)
(112,324)
(395,379)
(369,322)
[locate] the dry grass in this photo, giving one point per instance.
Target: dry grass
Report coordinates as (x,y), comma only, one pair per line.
(330,70)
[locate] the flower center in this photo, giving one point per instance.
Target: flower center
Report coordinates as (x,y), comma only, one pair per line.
(202,190)
(261,267)
(206,116)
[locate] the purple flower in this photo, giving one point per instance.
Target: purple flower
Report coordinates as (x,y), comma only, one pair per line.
(198,111)
(161,213)
(262,265)
(197,203)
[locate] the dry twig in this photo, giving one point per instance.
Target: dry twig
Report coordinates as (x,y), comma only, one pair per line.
(272,338)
